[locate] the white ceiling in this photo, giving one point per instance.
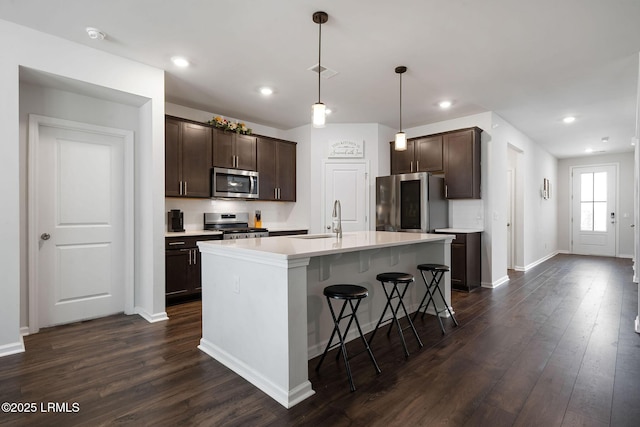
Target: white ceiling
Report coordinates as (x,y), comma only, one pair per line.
(531,62)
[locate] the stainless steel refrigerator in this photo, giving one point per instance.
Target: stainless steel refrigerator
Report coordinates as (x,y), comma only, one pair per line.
(411,202)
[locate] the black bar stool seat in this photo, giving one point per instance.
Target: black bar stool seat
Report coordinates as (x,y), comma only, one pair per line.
(348,293)
(433,285)
(396,280)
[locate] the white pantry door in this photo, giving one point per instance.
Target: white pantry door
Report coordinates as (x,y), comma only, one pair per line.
(347,182)
(593,205)
(80,225)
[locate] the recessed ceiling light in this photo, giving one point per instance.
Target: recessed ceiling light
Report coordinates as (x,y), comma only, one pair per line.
(95,34)
(445,104)
(569,119)
(589,150)
(266,91)
(180,61)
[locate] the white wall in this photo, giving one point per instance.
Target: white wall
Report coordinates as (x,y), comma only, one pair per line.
(537,230)
(374,153)
(63,105)
(625,207)
(38,51)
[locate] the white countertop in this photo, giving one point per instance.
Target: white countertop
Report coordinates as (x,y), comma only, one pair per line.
(190,233)
(459,230)
(305,246)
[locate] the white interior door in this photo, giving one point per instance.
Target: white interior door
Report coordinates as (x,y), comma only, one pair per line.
(80,225)
(347,182)
(594,210)
(510,217)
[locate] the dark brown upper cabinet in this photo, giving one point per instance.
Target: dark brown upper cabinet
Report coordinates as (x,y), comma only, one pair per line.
(456,154)
(423,154)
(461,151)
(234,151)
(277,169)
(188,151)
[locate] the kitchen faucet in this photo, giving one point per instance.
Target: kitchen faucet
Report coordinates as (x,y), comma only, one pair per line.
(336,217)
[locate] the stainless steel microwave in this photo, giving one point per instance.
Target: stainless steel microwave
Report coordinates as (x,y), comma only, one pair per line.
(234,183)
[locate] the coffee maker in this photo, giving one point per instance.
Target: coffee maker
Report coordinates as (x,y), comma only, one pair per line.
(175,221)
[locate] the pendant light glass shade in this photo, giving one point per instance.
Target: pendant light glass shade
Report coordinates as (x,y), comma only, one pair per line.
(319,113)
(401,138)
(401,142)
(319,110)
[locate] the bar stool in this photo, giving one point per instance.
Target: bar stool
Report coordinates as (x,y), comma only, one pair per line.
(348,293)
(396,279)
(437,272)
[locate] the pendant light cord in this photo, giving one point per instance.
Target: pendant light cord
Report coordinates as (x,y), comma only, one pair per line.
(319,51)
(400,102)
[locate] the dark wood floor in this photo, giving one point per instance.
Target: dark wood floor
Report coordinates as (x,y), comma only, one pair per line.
(553,347)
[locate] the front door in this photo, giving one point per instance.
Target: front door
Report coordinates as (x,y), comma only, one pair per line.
(79,224)
(347,182)
(593,210)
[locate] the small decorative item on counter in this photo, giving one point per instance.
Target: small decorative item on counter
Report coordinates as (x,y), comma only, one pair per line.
(224,124)
(258,219)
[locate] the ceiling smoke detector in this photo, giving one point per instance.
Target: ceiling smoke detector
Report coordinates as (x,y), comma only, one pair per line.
(95,34)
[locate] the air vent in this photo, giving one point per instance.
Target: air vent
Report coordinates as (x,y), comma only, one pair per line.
(325,72)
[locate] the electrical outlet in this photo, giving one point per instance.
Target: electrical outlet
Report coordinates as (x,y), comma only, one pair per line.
(236,284)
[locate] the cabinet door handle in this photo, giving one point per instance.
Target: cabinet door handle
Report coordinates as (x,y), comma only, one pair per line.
(417,165)
(190,252)
(180,191)
(175,243)
(195,257)
(185,188)
(411,165)
(275,193)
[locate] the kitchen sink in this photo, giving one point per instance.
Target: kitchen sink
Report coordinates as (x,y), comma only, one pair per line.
(313,236)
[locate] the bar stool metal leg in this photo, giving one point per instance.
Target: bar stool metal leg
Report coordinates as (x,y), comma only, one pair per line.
(433,285)
(396,293)
(347,293)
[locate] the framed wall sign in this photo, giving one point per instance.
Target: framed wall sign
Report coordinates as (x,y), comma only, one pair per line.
(346,149)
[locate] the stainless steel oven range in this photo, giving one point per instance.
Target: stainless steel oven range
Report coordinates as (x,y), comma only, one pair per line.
(233,225)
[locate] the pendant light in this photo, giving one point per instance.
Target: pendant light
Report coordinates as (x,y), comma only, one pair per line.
(401,137)
(319,109)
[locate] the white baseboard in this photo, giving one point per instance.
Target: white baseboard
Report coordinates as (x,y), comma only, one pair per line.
(625,256)
(151,318)
(563,251)
(14,348)
(286,398)
(495,284)
(24,331)
(540,261)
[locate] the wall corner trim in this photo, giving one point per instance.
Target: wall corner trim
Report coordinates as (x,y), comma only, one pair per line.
(151,318)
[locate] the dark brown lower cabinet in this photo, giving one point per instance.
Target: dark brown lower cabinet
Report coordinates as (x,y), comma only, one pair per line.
(465,261)
(183,275)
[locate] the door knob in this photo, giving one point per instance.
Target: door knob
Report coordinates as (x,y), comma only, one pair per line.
(328,227)
(45,236)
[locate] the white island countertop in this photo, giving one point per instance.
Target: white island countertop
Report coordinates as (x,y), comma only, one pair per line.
(310,245)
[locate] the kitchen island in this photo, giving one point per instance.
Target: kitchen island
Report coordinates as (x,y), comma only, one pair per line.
(263,312)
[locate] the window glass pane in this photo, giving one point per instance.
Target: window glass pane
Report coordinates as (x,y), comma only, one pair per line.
(600,186)
(586,187)
(600,216)
(586,216)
